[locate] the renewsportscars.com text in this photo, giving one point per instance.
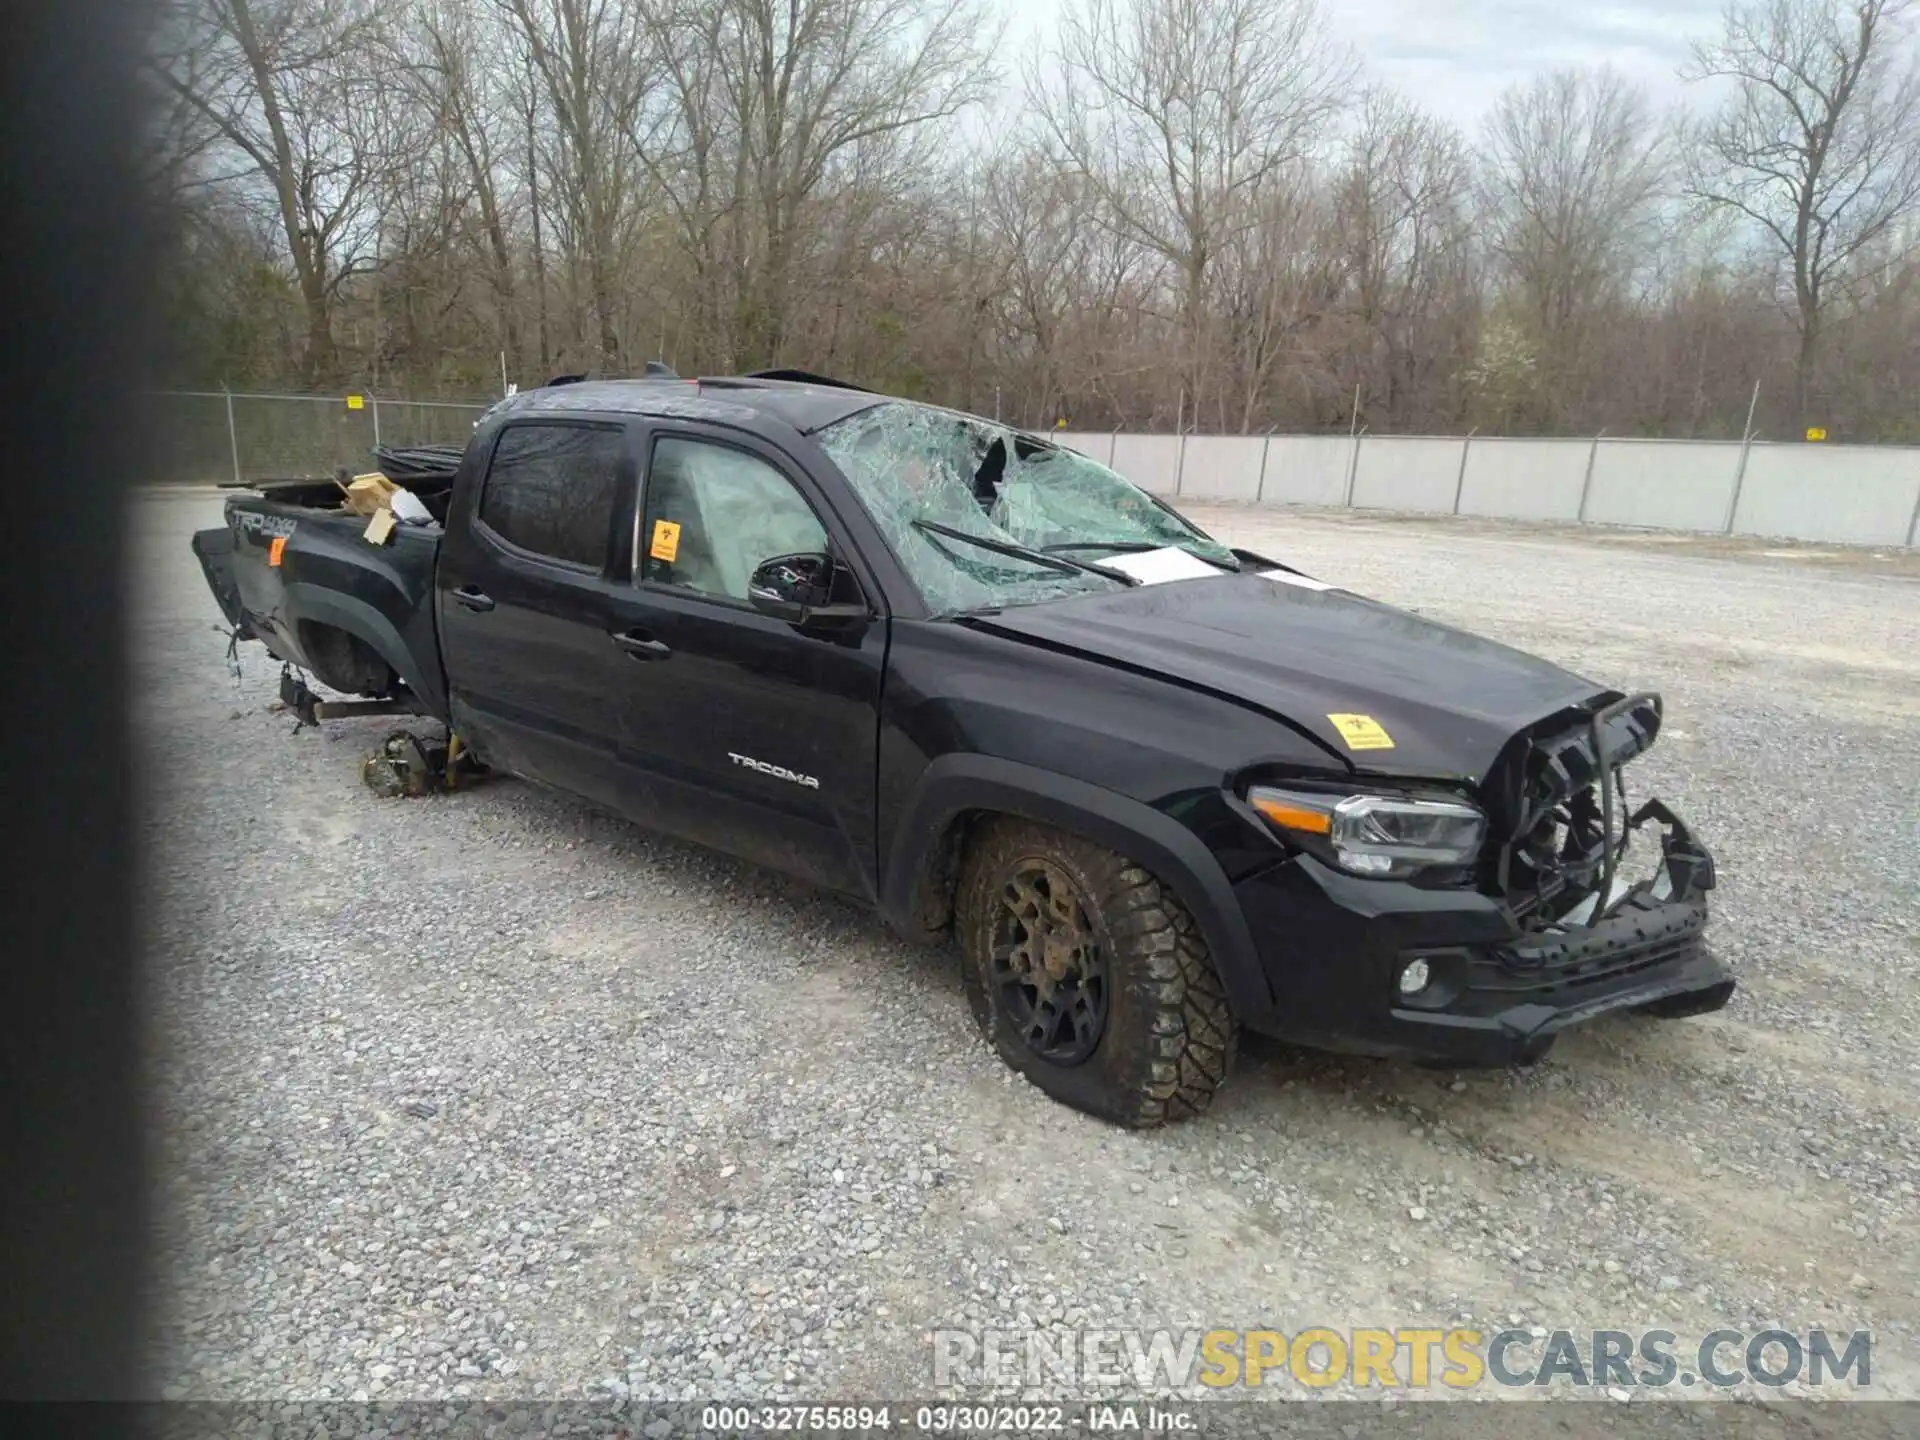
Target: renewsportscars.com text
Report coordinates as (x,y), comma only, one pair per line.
(1405,1358)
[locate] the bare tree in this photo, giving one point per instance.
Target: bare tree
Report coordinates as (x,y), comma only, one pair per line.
(774,99)
(288,86)
(527,104)
(1190,222)
(1179,114)
(1818,146)
(1276,284)
(697,162)
(1042,233)
(594,70)
(1403,224)
(456,61)
(1577,168)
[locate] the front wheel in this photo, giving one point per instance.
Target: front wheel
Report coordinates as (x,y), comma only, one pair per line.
(1089,976)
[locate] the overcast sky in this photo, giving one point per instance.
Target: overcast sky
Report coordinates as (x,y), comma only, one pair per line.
(1455,56)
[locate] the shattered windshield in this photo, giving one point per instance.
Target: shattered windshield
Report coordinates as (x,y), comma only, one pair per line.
(917,469)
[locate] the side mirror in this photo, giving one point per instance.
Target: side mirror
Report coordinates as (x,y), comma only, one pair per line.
(799,590)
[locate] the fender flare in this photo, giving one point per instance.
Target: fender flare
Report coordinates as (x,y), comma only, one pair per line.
(954,784)
(358,618)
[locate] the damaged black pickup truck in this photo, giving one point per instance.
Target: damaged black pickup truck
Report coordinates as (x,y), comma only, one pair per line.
(1158,789)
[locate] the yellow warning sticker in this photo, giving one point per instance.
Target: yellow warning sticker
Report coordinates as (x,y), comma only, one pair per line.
(1362,732)
(666,541)
(356,402)
(276,550)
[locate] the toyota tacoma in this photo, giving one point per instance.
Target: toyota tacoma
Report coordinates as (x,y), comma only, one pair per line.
(1157,788)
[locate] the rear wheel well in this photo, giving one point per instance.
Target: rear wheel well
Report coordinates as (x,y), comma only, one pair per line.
(343,661)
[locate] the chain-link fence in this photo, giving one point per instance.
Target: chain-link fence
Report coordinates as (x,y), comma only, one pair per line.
(214,437)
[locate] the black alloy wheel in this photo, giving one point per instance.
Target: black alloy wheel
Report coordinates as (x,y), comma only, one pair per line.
(1049,964)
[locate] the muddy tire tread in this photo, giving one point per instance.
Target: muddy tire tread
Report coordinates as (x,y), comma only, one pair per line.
(1187,1050)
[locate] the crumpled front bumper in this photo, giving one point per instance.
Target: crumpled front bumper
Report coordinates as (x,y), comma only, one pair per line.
(1334,945)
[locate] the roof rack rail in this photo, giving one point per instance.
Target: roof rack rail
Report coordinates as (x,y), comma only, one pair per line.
(655,370)
(807,377)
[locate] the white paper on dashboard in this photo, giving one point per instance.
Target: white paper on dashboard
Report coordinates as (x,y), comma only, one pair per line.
(1155,567)
(1305,582)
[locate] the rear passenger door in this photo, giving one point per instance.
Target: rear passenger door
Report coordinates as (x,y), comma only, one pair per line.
(758,736)
(527,583)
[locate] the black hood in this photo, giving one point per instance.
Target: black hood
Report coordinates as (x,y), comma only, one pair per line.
(1446,700)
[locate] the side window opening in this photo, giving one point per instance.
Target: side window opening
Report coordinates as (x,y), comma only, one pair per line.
(713,514)
(551,489)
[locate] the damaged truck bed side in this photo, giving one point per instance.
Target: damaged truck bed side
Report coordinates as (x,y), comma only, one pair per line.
(359,617)
(1156,788)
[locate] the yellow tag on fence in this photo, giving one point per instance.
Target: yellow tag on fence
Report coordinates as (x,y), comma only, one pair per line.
(666,541)
(1362,732)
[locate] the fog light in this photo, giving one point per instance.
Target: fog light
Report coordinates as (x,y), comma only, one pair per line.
(1414,977)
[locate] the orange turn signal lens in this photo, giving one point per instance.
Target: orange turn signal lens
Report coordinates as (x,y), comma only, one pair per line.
(1293,817)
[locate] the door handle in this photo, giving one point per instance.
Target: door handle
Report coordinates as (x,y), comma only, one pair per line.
(473,598)
(641,645)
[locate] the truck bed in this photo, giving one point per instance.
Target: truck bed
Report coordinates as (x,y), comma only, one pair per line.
(425,470)
(304,580)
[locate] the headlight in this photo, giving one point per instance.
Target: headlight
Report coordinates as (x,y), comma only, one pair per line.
(1375,835)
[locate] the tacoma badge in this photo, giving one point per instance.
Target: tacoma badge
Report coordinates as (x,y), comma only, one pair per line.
(774,770)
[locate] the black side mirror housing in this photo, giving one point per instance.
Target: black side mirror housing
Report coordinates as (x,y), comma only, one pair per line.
(799,590)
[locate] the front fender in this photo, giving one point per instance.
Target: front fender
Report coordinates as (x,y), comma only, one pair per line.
(953,785)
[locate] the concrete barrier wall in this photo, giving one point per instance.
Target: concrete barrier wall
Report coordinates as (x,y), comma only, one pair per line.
(1087,442)
(1662,484)
(1151,461)
(1307,469)
(1398,472)
(1221,467)
(1847,494)
(1524,479)
(1856,494)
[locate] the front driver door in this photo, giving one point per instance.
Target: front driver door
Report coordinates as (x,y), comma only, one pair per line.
(755,736)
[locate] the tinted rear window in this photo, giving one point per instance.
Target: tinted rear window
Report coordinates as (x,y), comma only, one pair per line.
(551,490)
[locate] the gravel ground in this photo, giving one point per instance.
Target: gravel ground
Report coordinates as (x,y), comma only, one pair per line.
(490,1095)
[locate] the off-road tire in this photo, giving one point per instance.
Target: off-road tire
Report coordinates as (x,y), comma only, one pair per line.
(1169,1038)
